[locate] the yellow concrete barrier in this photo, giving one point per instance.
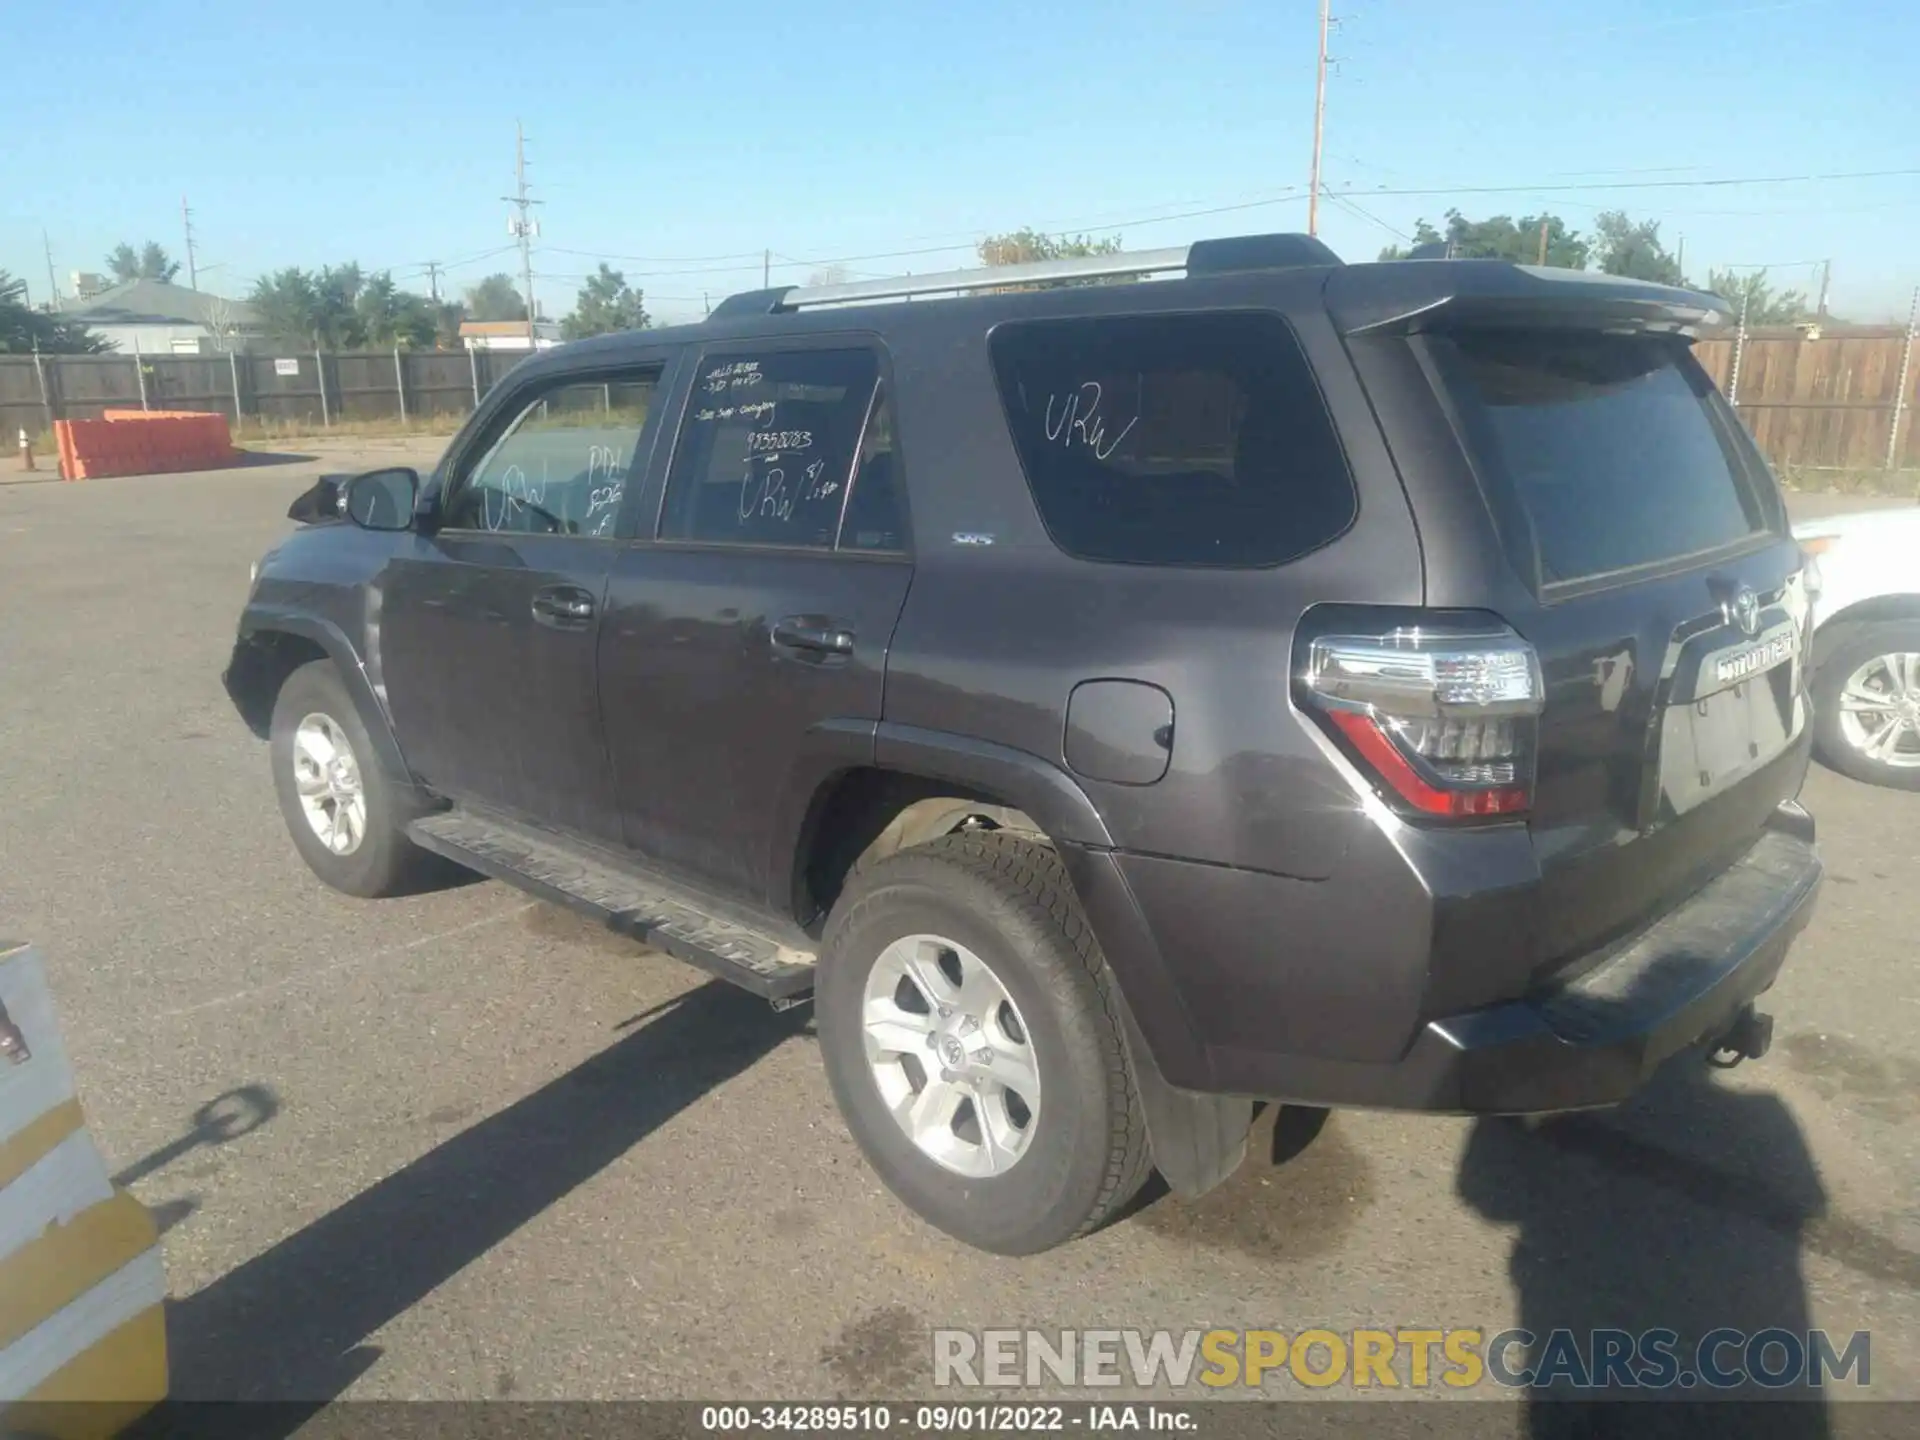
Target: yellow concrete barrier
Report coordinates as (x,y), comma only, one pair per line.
(81,1283)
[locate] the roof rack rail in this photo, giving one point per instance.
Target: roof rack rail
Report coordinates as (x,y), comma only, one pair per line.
(1202,257)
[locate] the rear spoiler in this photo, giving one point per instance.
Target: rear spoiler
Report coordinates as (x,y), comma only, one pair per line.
(1412,296)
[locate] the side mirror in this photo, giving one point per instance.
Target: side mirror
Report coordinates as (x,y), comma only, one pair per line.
(381,499)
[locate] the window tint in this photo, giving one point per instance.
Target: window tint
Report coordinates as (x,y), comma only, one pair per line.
(1174,440)
(560,467)
(1615,448)
(767,448)
(875,518)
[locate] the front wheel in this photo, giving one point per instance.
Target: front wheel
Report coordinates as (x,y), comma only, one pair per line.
(1866,700)
(969,1029)
(346,815)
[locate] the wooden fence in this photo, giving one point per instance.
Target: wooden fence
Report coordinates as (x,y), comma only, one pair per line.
(1818,403)
(1827,403)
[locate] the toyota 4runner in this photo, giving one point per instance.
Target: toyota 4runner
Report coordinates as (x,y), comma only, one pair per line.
(1158,683)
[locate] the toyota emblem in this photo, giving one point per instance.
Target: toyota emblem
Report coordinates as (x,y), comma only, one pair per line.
(1744,610)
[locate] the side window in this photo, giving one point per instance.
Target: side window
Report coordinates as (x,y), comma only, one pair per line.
(875,518)
(560,467)
(767,448)
(1174,439)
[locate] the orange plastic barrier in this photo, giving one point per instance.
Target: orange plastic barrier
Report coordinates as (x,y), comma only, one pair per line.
(142,442)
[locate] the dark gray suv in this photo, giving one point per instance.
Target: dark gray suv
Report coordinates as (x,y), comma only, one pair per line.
(1112,699)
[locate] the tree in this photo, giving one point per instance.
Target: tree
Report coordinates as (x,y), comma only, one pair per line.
(1624,248)
(494,298)
(1501,237)
(340,307)
(1763,305)
(606,304)
(389,316)
(24,329)
(1021,247)
(448,317)
(150,262)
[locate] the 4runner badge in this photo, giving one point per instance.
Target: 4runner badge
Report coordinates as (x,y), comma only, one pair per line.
(971,537)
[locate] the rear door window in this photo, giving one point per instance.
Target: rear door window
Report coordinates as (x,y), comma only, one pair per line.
(1607,452)
(1197,440)
(767,448)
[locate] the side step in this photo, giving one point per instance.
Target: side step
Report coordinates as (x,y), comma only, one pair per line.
(654,911)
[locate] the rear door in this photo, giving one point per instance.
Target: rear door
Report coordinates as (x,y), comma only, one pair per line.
(487,628)
(763,606)
(1663,595)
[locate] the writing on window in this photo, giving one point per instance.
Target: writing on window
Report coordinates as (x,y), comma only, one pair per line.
(562,465)
(767,448)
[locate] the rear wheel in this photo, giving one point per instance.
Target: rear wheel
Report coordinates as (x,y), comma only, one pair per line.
(967,1024)
(1866,699)
(346,815)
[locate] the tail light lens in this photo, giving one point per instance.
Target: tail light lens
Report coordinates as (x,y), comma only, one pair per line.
(1445,721)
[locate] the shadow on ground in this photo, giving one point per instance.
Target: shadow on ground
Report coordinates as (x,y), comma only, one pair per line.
(293,1324)
(1687,1211)
(253,459)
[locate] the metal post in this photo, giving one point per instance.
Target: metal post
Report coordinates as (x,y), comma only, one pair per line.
(140,372)
(1739,348)
(320,378)
(46,395)
(473,365)
(606,398)
(233,369)
(400,383)
(1906,369)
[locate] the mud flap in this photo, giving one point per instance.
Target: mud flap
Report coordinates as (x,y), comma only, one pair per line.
(1197,1141)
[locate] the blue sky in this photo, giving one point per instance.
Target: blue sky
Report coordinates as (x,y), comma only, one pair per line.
(693,136)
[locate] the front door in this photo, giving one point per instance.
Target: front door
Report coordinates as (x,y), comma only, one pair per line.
(764,607)
(487,629)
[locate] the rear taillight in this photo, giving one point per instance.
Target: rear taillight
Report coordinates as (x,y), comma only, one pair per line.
(1445,721)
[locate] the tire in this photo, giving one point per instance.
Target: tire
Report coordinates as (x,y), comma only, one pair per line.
(381,860)
(1869,659)
(1004,903)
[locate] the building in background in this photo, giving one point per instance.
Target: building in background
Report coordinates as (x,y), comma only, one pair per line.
(153,317)
(508,334)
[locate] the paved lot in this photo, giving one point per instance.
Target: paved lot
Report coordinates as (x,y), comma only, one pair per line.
(502,1154)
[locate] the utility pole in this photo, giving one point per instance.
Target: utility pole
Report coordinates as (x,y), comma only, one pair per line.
(53,286)
(433,280)
(523,227)
(1680,260)
(1826,275)
(186,222)
(1543,240)
(766,269)
(1319,123)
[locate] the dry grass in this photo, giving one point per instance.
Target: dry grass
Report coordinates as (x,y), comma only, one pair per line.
(255,430)
(1818,480)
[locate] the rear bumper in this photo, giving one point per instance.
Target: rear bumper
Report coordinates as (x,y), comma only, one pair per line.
(1681,982)
(1588,1042)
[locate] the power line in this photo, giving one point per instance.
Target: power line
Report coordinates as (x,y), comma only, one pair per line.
(1721,181)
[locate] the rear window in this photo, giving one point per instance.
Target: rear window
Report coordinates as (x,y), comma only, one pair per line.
(1173,439)
(1614,450)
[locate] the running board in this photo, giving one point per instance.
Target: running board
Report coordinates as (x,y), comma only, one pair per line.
(653,911)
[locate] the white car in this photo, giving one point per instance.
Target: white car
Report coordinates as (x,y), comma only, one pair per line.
(1865,571)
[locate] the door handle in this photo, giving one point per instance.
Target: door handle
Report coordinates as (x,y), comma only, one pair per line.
(801,632)
(562,606)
